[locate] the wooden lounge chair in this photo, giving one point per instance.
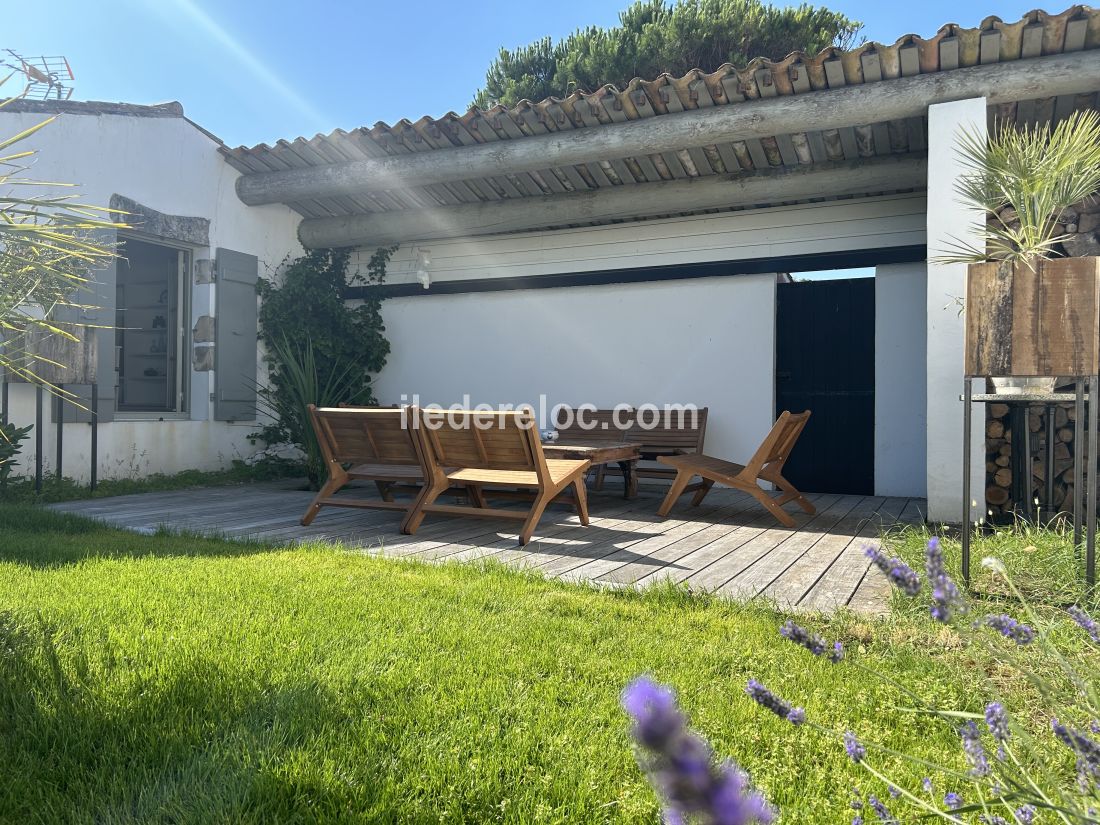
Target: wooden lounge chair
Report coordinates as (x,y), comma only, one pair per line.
(380,444)
(506,453)
(765,465)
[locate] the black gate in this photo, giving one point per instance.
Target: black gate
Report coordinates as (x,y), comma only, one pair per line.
(825,362)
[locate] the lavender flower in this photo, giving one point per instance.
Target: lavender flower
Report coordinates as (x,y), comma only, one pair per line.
(1008,627)
(1087,623)
(857,820)
(992,820)
(765,698)
(946,601)
(881,811)
(836,656)
(997,720)
(975,753)
(926,783)
(1085,749)
(898,572)
(855,750)
(952,801)
(801,636)
(1025,814)
(681,765)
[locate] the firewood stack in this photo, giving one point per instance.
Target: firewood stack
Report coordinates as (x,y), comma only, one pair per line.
(999,446)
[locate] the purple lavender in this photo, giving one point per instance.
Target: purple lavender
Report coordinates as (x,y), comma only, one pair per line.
(926,783)
(1085,749)
(836,656)
(997,720)
(975,753)
(992,820)
(765,698)
(855,750)
(801,636)
(952,801)
(1087,623)
(946,601)
(1008,627)
(1025,814)
(681,765)
(881,811)
(898,572)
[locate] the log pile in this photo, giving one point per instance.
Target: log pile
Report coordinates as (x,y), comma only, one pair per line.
(999,443)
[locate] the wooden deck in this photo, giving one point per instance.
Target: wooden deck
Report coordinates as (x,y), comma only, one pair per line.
(729,545)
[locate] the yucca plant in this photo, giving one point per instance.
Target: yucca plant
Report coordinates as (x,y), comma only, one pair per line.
(1037,172)
(303,383)
(48,256)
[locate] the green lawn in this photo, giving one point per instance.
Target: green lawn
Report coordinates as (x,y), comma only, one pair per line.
(178,679)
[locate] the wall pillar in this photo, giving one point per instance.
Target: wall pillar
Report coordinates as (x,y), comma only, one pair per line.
(950,222)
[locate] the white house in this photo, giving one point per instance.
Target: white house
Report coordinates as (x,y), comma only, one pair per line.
(622,246)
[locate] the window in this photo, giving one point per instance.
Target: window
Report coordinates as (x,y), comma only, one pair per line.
(151,334)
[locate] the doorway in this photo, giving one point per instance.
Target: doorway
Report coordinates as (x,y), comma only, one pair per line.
(825,363)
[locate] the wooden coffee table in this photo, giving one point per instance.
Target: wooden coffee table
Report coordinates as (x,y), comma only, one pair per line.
(625,455)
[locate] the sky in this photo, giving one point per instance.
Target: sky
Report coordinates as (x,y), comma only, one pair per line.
(254,71)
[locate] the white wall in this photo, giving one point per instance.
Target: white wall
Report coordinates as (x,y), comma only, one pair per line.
(949,222)
(165,163)
(707,341)
(900,376)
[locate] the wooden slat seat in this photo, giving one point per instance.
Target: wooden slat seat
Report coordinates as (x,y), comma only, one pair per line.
(765,465)
(479,449)
(377,443)
(676,432)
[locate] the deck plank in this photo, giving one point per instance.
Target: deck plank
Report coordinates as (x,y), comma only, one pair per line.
(729,544)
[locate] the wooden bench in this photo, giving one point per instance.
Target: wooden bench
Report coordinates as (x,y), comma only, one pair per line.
(378,445)
(765,465)
(459,449)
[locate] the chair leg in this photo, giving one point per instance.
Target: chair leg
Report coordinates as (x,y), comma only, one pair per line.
(534,514)
(599,477)
(675,491)
(772,507)
(701,493)
(792,494)
(330,486)
(477,499)
(432,490)
(384,490)
(580,498)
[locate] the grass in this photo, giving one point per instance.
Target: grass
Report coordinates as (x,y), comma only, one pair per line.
(21,489)
(173,678)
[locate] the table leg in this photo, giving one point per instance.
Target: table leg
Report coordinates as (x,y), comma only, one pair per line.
(630,479)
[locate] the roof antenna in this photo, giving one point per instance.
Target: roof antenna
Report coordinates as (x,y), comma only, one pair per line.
(48,78)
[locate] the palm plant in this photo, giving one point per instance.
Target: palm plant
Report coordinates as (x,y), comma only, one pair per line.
(48,255)
(302,382)
(1037,173)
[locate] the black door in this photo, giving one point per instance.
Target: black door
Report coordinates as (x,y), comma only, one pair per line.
(825,363)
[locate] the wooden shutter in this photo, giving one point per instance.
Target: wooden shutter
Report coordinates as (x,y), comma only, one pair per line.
(101,314)
(235,334)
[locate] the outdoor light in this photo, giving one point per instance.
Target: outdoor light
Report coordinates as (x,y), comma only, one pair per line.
(423,261)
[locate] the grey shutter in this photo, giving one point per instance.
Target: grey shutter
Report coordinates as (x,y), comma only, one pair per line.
(100,313)
(235,336)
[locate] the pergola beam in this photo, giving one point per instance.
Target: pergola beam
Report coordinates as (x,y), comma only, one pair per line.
(836,108)
(641,200)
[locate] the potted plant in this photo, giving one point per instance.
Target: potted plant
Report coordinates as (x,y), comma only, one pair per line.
(1032,312)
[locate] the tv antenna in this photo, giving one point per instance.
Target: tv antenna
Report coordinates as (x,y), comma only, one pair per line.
(48,78)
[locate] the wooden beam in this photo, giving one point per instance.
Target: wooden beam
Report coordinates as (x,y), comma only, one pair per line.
(858,105)
(645,199)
